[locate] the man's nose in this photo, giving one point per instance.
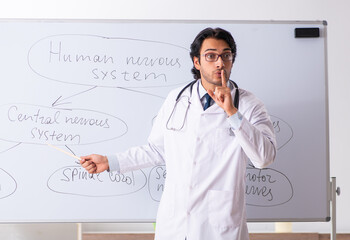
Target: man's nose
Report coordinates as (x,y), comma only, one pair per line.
(220,63)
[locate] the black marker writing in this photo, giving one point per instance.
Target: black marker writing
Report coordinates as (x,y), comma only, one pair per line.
(126,76)
(87,121)
(121,178)
(56,54)
(140,77)
(257,184)
(161,173)
(14,115)
(252,177)
(276,126)
(150,62)
(263,191)
(53,135)
(267,187)
(78,174)
(103,74)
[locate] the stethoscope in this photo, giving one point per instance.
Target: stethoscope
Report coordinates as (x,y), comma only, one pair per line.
(180,96)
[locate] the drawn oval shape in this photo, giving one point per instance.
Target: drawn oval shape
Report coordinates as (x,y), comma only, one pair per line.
(267,187)
(156,180)
(75,180)
(8,184)
(109,62)
(283,131)
(35,124)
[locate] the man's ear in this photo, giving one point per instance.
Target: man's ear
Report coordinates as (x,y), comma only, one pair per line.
(196,63)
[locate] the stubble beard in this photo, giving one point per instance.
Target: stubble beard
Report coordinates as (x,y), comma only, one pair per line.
(210,80)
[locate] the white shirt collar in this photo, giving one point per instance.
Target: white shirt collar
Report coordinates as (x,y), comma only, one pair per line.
(201,90)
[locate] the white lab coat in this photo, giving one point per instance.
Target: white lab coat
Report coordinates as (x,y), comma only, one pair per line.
(204,194)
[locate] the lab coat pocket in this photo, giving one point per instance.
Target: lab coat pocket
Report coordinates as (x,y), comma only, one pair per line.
(225,210)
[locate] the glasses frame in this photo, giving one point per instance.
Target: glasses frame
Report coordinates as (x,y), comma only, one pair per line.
(217,57)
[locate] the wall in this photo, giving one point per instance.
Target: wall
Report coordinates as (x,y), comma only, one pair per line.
(336,14)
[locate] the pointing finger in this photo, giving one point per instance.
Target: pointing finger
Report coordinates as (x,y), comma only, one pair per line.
(223,78)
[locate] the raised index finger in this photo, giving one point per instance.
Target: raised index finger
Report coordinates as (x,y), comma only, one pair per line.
(223,79)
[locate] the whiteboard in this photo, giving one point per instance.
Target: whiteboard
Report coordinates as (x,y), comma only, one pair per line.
(83,85)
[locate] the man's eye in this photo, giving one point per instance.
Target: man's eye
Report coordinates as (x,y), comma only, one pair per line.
(227,55)
(211,56)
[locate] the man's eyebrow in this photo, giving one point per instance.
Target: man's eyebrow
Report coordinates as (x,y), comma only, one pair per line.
(213,49)
(210,49)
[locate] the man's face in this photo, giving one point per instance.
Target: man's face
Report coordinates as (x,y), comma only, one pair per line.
(211,71)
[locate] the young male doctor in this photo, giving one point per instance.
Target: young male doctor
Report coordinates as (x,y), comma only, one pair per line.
(205,144)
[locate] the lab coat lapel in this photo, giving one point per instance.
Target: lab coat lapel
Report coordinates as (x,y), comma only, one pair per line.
(195,100)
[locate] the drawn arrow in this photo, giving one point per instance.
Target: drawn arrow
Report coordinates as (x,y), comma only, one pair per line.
(10,147)
(72,153)
(61,101)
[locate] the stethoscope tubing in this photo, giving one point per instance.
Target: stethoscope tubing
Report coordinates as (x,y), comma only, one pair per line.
(190,85)
(235,101)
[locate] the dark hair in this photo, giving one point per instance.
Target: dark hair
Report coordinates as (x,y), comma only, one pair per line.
(217,33)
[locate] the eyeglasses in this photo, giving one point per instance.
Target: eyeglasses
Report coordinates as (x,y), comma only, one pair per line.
(213,57)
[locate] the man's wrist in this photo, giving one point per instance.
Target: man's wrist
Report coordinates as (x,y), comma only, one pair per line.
(231,112)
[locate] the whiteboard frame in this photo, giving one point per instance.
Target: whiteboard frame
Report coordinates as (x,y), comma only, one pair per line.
(310,22)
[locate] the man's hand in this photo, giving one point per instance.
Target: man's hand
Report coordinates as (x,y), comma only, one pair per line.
(94,163)
(222,96)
